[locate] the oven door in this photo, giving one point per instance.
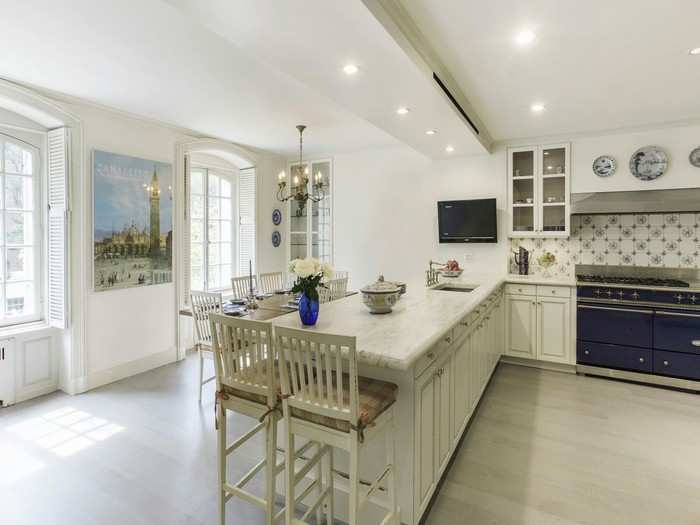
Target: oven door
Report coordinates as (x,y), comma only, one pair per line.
(677,331)
(615,325)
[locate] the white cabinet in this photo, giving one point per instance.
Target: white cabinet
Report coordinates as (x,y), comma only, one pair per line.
(553,328)
(309,228)
(7,372)
(450,379)
(443,407)
(538,190)
(426,439)
(539,326)
(462,365)
(521,318)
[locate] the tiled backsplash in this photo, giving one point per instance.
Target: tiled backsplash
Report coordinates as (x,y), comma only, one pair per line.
(654,240)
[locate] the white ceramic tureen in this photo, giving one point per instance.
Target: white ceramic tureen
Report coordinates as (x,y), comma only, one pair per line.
(380,297)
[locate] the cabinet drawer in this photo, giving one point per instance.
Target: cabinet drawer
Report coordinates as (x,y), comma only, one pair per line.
(521,289)
(554,291)
(677,331)
(431,355)
(614,356)
(618,326)
(674,364)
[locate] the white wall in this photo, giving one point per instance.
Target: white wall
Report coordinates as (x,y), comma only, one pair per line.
(385,199)
(385,212)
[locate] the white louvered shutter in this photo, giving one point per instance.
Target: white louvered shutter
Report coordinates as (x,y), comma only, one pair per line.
(246,224)
(58,221)
(186,237)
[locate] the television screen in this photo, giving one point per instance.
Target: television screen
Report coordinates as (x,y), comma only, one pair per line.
(467,221)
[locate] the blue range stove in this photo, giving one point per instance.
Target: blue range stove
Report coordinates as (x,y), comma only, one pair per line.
(640,325)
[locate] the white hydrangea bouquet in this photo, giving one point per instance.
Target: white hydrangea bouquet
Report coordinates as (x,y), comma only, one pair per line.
(310,272)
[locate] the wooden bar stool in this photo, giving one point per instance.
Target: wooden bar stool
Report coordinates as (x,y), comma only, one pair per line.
(247,382)
(325,401)
(203,304)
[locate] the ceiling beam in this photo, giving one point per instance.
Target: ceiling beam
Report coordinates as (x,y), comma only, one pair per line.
(401,27)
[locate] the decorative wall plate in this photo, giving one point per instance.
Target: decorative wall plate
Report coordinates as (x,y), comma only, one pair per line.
(649,163)
(604,166)
(694,157)
(276,238)
(276,217)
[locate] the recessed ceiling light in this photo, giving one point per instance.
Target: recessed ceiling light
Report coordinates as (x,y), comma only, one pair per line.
(537,107)
(430,132)
(695,51)
(403,110)
(525,38)
(546,153)
(449,149)
(351,69)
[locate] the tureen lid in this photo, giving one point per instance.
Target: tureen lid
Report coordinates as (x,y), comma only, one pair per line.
(381,286)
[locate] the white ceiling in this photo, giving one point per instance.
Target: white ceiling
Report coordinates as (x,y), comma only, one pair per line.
(312,40)
(596,64)
(151,59)
(250,70)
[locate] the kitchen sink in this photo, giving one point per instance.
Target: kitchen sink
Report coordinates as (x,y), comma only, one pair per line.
(446,287)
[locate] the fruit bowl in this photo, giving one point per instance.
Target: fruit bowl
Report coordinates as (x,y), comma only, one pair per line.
(451,273)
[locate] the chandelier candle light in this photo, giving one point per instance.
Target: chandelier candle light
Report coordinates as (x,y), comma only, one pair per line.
(309,274)
(300,182)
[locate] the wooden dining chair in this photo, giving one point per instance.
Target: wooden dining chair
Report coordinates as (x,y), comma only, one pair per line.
(325,400)
(241,286)
(338,287)
(203,305)
(271,282)
(324,294)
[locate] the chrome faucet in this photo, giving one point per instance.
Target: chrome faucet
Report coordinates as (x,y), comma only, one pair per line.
(432,277)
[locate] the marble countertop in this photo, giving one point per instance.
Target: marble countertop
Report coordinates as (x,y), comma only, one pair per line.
(396,340)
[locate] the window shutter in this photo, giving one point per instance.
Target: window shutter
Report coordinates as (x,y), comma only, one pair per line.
(58,221)
(186,237)
(246,224)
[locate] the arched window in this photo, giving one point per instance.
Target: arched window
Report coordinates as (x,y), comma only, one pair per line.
(20,232)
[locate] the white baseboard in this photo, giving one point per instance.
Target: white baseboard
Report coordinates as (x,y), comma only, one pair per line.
(128,369)
(535,363)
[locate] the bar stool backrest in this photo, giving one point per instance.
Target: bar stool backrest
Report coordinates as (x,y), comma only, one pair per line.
(311,365)
(244,356)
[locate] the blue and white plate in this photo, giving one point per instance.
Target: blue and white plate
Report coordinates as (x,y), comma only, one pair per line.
(649,163)
(276,238)
(276,217)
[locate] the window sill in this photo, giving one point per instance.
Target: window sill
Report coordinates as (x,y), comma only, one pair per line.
(19,329)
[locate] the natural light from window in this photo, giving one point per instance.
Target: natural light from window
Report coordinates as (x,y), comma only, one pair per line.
(65,431)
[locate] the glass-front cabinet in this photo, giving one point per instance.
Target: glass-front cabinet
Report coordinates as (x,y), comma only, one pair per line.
(310,223)
(538,190)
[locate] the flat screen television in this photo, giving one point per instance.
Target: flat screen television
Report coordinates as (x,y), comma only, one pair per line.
(467,221)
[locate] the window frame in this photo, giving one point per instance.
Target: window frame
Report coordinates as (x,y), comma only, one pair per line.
(40,234)
(230,176)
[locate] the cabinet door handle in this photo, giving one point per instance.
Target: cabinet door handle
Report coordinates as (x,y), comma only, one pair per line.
(586,352)
(448,339)
(431,355)
(641,359)
(665,363)
(695,342)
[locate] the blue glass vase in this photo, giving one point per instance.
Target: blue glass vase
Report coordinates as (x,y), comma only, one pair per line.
(308,310)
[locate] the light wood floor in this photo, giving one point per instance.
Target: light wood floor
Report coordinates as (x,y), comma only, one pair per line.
(545,448)
(551,448)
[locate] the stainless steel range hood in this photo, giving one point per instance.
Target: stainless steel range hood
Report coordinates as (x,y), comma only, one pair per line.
(649,201)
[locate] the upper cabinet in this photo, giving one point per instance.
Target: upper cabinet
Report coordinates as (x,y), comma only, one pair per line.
(310,223)
(538,190)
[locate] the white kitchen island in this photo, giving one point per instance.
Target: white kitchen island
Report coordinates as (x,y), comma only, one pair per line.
(440,348)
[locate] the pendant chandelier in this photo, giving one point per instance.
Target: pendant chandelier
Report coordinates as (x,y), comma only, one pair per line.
(299,189)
